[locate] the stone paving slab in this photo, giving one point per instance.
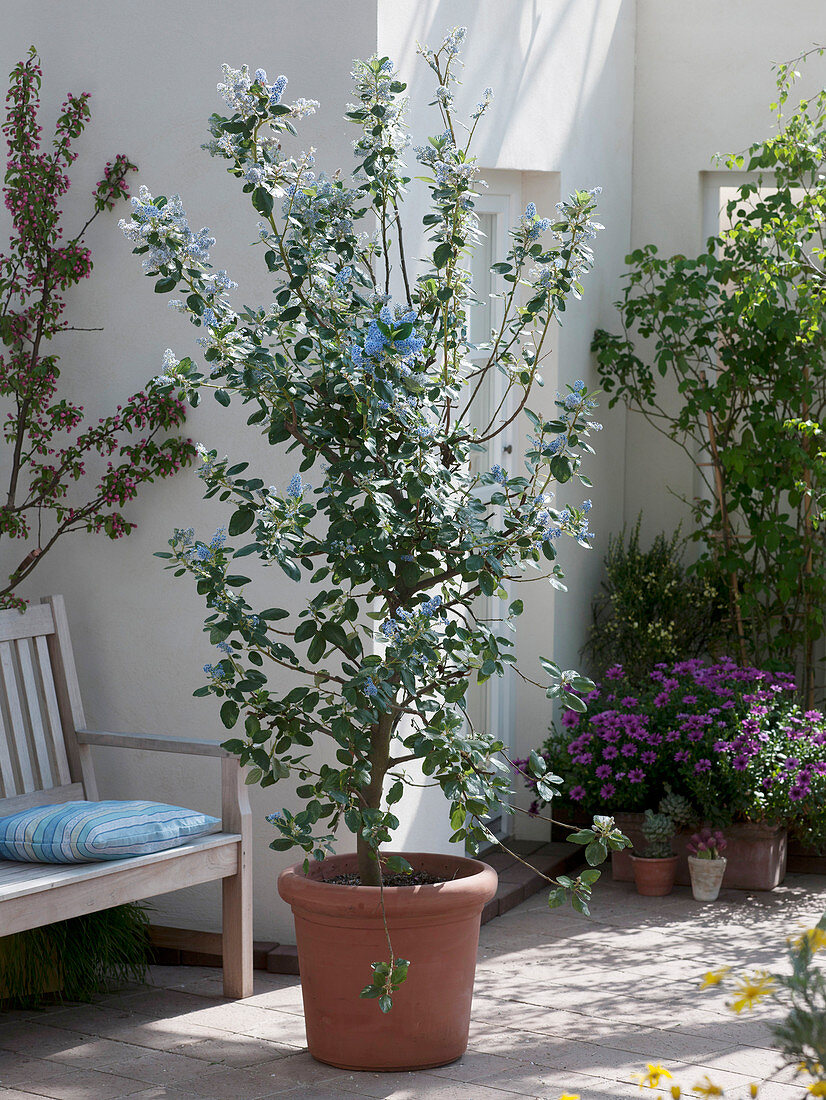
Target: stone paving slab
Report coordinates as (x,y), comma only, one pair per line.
(562,1005)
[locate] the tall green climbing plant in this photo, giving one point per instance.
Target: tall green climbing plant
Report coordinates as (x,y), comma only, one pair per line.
(718,352)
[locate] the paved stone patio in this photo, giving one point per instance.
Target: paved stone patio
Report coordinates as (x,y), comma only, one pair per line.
(562,1005)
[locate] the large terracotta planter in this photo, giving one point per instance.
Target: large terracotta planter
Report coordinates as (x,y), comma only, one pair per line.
(654,877)
(340,932)
(755,854)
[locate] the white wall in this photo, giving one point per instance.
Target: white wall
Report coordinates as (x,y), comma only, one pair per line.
(590,89)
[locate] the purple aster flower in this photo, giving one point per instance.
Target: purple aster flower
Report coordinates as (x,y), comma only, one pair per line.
(629,749)
(648,757)
(629,701)
(604,771)
(607,790)
(609,752)
(615,672)
(680,756)
(636,775)
(576,793)
(740,762)
(701,766)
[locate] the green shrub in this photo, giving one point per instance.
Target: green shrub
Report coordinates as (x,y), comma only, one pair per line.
(652,609)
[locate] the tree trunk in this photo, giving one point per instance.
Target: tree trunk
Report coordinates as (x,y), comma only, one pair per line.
(368,857)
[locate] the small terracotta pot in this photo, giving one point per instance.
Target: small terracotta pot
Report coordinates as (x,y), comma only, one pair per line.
(706,877)
(340,932)
(654,877)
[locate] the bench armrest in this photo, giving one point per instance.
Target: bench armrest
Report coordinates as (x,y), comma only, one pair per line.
(156,742)
(235,805)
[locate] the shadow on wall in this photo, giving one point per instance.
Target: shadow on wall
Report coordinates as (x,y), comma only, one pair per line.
(531,37)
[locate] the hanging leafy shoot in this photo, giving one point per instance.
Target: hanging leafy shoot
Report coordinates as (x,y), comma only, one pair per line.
(375,395)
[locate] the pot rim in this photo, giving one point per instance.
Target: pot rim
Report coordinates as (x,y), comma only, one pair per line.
(653,859)
(701,860)
(315,895)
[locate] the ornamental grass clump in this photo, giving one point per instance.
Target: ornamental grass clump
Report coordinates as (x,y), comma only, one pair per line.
(360,364)
(730,741)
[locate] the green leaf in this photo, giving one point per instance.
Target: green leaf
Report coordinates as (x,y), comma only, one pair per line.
(229,713)
(596,852)
(241,521)
(442,254)
(316,649)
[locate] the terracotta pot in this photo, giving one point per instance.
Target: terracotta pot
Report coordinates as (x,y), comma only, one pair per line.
(706,877)
(756,854)
(340,932)
(654,877)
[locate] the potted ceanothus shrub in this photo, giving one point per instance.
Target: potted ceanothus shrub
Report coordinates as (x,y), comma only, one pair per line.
(655,864)
(360,363)
(706,864)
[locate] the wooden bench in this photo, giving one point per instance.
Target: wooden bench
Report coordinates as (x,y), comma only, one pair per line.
(46,757)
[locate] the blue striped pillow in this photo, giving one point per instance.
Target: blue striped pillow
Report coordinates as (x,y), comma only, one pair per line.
(86,832)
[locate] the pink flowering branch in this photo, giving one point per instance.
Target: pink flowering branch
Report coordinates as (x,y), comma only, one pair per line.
(49,447)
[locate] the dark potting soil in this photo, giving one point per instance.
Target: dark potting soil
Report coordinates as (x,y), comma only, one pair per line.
(417,878)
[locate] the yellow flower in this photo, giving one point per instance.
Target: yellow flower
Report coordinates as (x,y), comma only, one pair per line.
(714,977)
(817,1089)
(569,1096)
(676,1092)
(753,1089)
(707,1088)
(815,937)
(752,990)
(651,1079)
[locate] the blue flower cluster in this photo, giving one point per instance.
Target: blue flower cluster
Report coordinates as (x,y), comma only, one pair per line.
(533,224)
(236,85)
(169,224)
(296,488)
(498,474)
(217,672)
(370,688)
(343,277)
(393,628)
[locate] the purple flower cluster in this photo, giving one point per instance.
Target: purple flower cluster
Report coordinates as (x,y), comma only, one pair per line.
(731,740)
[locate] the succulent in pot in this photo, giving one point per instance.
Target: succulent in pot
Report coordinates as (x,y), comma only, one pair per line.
(706,864)
(407,526)
(656,866)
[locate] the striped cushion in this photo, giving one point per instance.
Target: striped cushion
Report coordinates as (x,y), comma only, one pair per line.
(85,832)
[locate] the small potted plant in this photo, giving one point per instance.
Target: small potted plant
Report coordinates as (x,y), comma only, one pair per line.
(706,865)
(656,867)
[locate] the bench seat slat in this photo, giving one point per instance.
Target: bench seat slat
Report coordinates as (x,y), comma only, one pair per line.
(32,895)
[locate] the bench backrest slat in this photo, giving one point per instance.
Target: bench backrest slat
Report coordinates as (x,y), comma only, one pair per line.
(19,743)
(40,710)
